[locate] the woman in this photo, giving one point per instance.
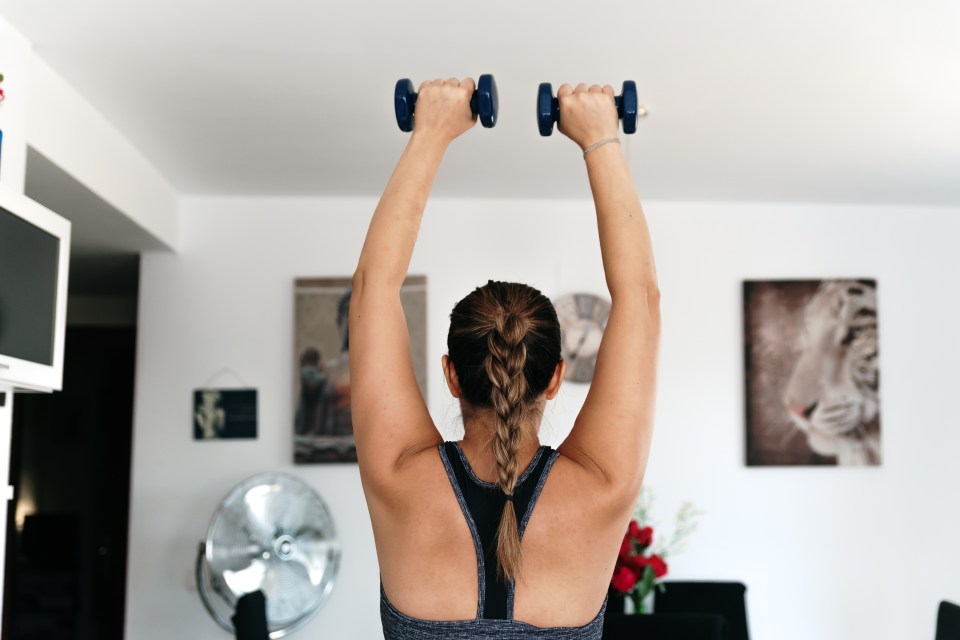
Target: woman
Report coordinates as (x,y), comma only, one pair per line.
(473,539)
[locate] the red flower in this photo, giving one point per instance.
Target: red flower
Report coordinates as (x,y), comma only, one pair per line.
(632,563)
(642,535)
(624,579)
(659,566)
(645,539)
(638,563)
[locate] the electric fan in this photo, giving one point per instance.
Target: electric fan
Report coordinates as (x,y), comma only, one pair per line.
(271,533)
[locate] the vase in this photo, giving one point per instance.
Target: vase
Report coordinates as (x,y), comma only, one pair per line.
(625,603)
(645,604)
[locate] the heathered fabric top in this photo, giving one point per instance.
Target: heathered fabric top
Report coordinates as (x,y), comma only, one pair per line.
(482,505)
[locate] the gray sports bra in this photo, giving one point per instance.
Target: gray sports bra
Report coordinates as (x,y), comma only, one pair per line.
(482,505)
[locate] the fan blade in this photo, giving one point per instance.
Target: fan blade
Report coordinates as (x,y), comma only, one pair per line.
(258,506)
(287,598)
(314,558)
(246,580)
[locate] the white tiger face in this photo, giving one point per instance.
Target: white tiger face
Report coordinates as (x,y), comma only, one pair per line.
(832,394)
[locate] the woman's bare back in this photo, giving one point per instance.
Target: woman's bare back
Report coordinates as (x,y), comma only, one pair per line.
(428,559)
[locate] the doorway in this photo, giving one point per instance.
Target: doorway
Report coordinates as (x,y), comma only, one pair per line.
(66,555)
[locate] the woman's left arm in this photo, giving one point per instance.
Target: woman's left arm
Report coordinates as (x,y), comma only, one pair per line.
(390,417)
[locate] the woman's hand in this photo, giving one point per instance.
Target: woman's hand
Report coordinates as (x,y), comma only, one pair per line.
(587,114)
(443,109)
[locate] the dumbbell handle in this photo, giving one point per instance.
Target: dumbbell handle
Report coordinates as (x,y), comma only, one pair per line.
(474,100)
(555,108)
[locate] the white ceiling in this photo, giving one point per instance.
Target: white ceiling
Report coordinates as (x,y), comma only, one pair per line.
(813,100)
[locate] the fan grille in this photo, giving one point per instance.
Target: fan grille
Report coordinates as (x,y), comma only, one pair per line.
(274,533)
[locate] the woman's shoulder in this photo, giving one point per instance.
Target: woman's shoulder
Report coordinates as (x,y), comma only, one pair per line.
(580,481)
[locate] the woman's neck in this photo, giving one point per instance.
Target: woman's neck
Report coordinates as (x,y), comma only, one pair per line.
(477,445)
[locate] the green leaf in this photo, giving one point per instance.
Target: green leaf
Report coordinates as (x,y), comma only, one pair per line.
(648,579)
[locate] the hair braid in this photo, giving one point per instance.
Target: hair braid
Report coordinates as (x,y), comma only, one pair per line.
(504,343)
(505,364)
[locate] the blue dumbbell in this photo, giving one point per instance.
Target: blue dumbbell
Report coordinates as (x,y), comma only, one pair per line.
(548,108)
(484,102)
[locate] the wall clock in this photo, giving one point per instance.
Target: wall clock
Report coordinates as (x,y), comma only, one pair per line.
(583,317)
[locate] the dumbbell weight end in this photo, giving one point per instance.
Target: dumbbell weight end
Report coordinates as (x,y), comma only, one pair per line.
(548,109)
(404,103)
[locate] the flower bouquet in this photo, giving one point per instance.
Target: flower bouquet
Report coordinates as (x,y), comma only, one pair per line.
(639,565)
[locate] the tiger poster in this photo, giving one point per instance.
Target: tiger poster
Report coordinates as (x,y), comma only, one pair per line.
(812,372)
(322,419)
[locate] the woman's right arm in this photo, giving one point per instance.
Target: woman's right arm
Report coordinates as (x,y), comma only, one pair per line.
(612,433)
(390,417)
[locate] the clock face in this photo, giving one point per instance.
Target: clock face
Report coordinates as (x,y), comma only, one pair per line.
(583,317)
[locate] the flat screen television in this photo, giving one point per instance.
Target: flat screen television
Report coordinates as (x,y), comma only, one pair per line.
(34,261)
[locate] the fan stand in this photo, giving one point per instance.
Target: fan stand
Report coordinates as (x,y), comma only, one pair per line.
(205,594)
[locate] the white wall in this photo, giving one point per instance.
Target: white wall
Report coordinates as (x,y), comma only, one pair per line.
(15,67)
(826,553)
(69,132)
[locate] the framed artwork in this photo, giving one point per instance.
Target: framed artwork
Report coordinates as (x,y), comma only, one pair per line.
(812,372)
(224,414)
(322,425)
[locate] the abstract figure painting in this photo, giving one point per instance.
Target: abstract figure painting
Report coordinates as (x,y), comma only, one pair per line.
(323,427)
(812,372)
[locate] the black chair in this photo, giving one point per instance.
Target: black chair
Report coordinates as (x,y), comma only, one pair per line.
(948,621)
(727,599)
(663,626)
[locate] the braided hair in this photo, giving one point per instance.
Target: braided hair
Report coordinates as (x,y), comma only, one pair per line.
(504,344)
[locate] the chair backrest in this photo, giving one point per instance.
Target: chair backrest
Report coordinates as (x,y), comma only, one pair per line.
(948,621)
(725,598)
(675,626)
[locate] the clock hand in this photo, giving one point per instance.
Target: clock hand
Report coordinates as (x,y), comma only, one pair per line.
(576,352)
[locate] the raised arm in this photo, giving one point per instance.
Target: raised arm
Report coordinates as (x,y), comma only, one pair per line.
(390,417)
(612,434)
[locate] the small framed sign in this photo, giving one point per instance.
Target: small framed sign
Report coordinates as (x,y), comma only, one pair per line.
(224,414)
